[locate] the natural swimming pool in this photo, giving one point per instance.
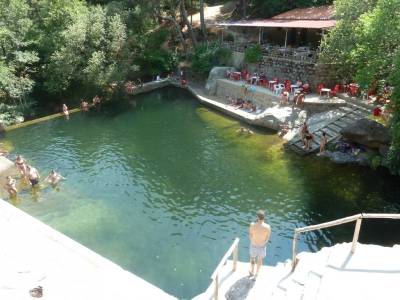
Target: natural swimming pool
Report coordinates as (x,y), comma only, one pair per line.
(163,188)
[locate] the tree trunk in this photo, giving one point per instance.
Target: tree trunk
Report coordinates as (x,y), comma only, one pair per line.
(202,21)
(185,21)
(178,31)
(241,6)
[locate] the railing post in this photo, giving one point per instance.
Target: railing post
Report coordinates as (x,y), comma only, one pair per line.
(294,246)
(235,257)
(356,234)
(216,288)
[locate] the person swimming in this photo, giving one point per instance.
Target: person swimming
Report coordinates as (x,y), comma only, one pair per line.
(244,130)
(84,105)
(10,186)
(20,163)
(54,178)
(33,175)
(65,111)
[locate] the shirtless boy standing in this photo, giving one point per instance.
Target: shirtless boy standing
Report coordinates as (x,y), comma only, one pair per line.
(259,233)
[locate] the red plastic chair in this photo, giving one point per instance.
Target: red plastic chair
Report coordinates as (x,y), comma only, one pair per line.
(320,87)
(306,88)
(335,90)
(353,89)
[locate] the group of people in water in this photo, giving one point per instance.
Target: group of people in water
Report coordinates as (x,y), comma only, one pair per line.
(30,176)
(84,105)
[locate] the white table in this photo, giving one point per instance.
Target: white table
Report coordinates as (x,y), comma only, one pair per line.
(325,90)
(293,87)
(272,83)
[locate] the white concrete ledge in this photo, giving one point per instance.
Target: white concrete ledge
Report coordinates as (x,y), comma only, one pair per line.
(33,254)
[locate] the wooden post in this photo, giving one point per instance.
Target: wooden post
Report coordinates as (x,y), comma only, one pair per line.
(235,257)
(286,37)
(259,35)
(216,288)
(356,234)
(294,246)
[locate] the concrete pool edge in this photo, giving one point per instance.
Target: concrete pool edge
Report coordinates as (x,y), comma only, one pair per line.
(33,254)
(266,119)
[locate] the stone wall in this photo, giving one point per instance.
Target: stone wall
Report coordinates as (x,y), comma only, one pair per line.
(323,73)
(289,69)
(261,97)
(237,59)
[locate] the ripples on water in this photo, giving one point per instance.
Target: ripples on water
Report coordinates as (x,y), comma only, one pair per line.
(163,189)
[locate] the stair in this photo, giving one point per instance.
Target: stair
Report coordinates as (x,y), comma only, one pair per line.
(346,115)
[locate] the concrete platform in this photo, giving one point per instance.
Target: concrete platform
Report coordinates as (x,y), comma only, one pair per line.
(33,254)
(372,272)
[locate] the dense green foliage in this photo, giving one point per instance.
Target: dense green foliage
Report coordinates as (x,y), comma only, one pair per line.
(207,56)
(365,46)
(51,47)
(253,54)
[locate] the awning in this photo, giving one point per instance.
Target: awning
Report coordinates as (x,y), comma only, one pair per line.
(315,24)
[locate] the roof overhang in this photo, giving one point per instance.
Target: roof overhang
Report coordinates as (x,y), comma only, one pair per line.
(314,24)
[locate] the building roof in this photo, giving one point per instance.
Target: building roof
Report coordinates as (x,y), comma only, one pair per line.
(326,12)
(313,17)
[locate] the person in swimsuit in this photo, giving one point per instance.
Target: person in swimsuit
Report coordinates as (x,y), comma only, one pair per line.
(33,175)
(53,178)
(10,186)
(308,137)
(20,164)
(84,105)
(259,233)
(323,142)
(65,111)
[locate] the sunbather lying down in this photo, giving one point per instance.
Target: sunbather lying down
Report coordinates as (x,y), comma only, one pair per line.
(244,130)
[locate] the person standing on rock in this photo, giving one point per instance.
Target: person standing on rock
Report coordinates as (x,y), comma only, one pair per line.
(259,233)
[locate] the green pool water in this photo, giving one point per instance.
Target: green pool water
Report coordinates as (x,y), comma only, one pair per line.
(162,188)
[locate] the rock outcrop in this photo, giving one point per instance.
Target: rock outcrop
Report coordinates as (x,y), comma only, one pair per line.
(347,158)
(216,73)
(367,132)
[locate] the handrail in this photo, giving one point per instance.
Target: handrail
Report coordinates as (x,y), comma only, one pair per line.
(355,218)
(233,250)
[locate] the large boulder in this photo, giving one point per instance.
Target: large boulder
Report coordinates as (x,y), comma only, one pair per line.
(367,132)
(347,158)
(216,73)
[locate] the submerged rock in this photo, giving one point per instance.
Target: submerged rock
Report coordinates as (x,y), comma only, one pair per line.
(367,132)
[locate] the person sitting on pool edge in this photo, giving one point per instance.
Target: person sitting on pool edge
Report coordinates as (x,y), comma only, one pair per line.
(259,233)
(53,178)
(10,186)
(33,175)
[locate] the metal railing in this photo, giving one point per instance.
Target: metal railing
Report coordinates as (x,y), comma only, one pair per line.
(278,52)
(234,251)
(356,218)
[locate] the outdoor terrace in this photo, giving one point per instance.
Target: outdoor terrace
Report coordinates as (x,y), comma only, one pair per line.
(304,55)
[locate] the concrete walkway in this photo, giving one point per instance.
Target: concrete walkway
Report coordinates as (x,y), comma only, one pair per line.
(371,273)
(33,254)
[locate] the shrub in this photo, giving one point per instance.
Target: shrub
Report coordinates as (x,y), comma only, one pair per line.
(207,56)
(253,54)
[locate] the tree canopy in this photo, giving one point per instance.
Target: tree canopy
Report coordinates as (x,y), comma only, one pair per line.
(52,46)
(365,46)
